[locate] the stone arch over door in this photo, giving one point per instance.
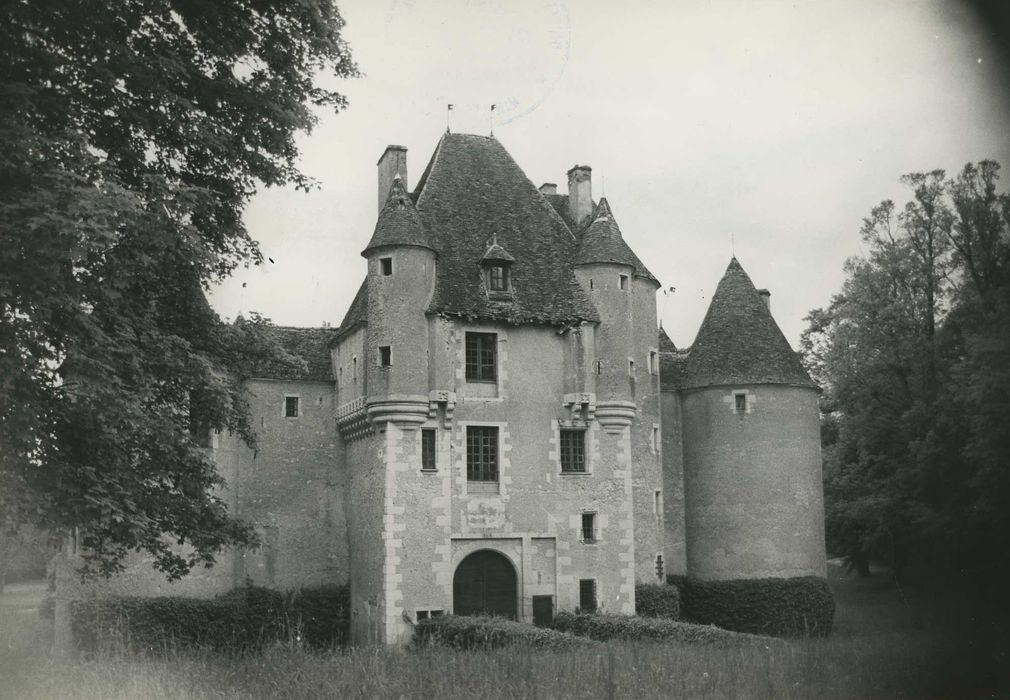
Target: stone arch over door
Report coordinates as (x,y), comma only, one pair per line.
(485,583)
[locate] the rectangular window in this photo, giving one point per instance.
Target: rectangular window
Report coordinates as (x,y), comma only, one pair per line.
(385,356)
(741,403)
(631,368)
(624,283)
(655,439)
(428,449)
(589,527)
(653,362)
(481,453)
(481,363)
(437,613)
(354,368)
(657,506)
(291,406)
(386,264)
(422,615)
(499,278)
(599,367)
(573,451)
(587,595)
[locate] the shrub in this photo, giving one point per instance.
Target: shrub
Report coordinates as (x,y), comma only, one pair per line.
(657,600)
(471,633)
(779,607)
(243,619)
(604,627)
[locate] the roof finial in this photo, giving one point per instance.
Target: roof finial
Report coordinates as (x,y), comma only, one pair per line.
(448,108)
(491,118)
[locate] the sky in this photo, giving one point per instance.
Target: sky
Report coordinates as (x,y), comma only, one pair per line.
(764,129)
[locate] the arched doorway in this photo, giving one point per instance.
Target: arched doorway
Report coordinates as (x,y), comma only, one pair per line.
(485,584)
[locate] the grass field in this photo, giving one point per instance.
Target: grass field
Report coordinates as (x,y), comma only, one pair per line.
(888,643)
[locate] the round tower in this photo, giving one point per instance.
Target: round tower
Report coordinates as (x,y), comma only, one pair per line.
(751,441)
(401,278)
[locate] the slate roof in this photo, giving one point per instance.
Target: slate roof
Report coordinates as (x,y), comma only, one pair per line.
(560,204)
(357,313)
(495,253)
(602,242)
(310,344)
(471,190)
(398,222)
(739,341)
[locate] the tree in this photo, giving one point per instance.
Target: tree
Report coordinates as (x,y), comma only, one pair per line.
(132,134)
(914,356)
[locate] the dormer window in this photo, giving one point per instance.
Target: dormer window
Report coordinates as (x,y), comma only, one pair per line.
(496,265)
(498,276)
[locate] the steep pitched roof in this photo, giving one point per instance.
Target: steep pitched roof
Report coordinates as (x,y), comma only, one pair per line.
(357,312)
(473,189)
(398,222)
(310,344)
(602,242)
(739,341)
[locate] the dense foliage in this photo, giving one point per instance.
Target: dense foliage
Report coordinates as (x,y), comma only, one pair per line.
(778,607)
(628,628)
(657,600)
(471,633)
(241,620)
(132,134)
(914,358)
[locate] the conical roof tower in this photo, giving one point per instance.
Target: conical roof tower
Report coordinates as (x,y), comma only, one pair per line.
(602,242)
(399,223)
(739,341)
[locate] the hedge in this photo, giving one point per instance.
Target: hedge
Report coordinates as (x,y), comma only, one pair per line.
(472,633)
(604,627)
(778,607)
(243,619)
(657,600)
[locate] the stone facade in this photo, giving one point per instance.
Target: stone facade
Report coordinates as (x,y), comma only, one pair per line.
(498,398)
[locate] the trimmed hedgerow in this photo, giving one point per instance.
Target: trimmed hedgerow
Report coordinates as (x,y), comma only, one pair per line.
(469,633)
(240,620)
(657,600)
(779,607)
(604,627)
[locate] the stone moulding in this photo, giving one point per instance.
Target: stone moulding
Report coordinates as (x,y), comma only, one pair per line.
(352,419)
(404,411)
(582,405)
(444,398)
(614,416)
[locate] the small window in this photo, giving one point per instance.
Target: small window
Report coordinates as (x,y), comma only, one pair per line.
(428,449)
(589,527)
(660,568)
(354,368)
(481,362)
(599,367)
(573,451)
(437,613)
(498,277)
(291,407)
(590,283)
(624,283)
(657,505)
(481,453)
(653,362)
(422,615)
(741,403)
(385,356)
(386,265)
(655,439)
(587,595)
(631,368)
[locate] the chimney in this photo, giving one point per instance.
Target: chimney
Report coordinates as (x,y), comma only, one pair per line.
(766,297)
(392,163)
(548,188)
(580,193)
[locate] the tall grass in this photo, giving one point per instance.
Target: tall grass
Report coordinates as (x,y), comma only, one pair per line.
(882,650)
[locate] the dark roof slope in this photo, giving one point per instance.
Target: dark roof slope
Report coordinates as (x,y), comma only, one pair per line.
(739,341)
(357,313)
(398,222)
(310,344)
(472,190)
(602,242)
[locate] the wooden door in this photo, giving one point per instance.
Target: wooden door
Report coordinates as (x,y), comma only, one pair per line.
(485,584)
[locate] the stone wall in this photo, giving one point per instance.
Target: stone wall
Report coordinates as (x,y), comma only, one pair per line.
(752,482)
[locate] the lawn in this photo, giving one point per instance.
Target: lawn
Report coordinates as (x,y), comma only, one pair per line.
(888,643)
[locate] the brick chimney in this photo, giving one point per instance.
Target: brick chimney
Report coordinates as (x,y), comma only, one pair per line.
(766,297)
(548,188)
(580,193)
(392,163)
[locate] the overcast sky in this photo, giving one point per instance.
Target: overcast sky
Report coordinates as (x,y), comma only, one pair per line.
(773,127)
